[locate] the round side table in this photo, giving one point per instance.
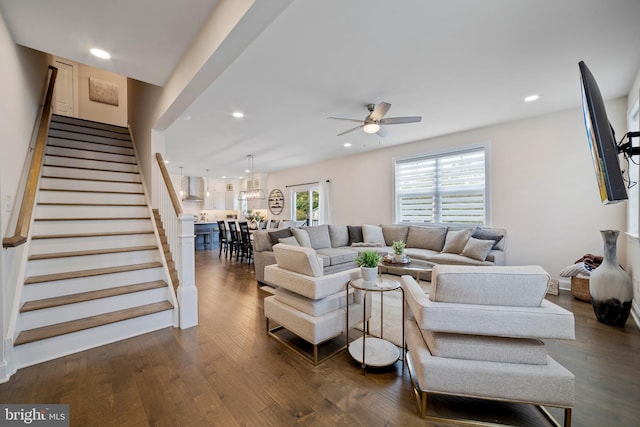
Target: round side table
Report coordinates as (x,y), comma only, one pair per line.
(369,350)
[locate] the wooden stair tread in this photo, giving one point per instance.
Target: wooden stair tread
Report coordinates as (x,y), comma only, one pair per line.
(92,252)
(88,273)
(71,190)
(113,218)
(58,329)
(102,234)
(90,296)
(89,204)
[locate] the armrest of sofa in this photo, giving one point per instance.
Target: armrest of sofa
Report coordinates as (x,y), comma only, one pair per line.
(314,287)
(546,321)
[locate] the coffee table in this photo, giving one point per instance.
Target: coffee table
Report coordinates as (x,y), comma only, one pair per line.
(414,266)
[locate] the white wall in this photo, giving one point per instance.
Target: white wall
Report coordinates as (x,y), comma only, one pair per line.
(633,242)
(97,111)
(22,81)
(542,186)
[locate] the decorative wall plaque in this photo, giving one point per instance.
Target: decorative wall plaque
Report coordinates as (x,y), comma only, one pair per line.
(276,202)
(102,91)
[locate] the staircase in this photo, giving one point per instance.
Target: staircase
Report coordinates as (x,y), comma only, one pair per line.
(95,272)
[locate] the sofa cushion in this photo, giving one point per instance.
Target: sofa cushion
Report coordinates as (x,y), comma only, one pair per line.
(372,234)
(319,236)
(394,233)
(339,235)
(298,259)
(477,248)
(276,235)
(457,259)
(483,234)
(456,240)
(338,255)
(291,240)
(423,254)
(519,286)
(302,237)
(355,234)
(316,307)
(426,237)
(531,351)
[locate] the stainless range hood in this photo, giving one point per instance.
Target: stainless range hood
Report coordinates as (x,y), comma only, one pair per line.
(192,196)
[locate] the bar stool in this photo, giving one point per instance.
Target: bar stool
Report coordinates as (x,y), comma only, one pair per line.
(206,238)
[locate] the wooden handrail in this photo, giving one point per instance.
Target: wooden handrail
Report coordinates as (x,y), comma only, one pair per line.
(29,196)
(177,206)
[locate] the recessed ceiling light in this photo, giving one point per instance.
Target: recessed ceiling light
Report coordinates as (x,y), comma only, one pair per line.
(100,53)
(531,98)
(347,145)
(247,171)
(223,177)
(166,161)
(238,114)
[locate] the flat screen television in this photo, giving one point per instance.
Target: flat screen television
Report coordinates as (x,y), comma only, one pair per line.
(602,141)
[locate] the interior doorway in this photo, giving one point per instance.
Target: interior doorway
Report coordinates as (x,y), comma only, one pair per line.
(64,94)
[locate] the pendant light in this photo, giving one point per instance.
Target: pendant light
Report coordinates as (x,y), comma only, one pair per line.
(251,193)
(207,184)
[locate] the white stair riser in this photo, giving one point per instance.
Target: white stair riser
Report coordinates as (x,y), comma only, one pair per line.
(87,137)
(77,197)
(69,227)
(89,262)
(89,155)
(52,348)
(65,211)
(79,184)
(66,313)
(93,146)
(59,128)
(58,288)
(90,174)
(45,246)
(90,164)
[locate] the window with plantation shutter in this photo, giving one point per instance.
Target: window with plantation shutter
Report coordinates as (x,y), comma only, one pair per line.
(444,188)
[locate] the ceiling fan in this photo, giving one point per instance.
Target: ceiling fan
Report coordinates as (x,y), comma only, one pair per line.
(373,121)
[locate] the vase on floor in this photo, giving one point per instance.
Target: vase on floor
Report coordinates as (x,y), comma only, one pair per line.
(610,286)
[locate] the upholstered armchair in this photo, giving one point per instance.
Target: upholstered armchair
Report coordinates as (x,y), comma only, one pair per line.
(478,333)
(308,303)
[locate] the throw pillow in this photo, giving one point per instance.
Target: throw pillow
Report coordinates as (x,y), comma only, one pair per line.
(372,234)
(275,236)
(426,238)
(455,240)
(477,248)
(291,240)
(319,236)
(355,234)
(302,237)
(479,233)
(394,233)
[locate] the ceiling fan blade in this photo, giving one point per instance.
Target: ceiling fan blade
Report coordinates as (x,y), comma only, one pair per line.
(399,120)
(348,120)
(380,110)
(351,130)
(382,132)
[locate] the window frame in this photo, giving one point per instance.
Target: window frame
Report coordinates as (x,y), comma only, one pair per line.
(485,146)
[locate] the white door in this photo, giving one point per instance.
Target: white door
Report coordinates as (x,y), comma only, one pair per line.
(64,89)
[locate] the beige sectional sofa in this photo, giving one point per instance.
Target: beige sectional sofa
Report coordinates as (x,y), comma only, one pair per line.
(339,245)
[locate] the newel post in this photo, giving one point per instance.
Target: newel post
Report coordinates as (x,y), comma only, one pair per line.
(187,291)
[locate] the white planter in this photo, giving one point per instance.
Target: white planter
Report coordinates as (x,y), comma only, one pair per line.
(369,274)
(399,258)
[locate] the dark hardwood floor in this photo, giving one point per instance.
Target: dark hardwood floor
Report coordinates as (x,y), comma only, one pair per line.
(227,372)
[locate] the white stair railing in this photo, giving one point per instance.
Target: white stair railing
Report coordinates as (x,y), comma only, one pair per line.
(180,238)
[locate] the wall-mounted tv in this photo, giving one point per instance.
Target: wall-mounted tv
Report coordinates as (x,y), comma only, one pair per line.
(602,141)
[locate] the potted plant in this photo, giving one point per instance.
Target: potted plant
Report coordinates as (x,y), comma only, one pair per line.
(398,250)
(368,262)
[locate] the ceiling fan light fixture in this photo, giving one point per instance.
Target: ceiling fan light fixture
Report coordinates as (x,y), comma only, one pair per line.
(371,127)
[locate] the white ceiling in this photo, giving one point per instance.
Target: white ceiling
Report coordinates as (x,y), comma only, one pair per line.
(461,64)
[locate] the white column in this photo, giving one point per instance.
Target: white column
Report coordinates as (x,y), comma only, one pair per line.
(187,291)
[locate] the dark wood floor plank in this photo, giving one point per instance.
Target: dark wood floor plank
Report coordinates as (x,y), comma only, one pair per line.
(228,372)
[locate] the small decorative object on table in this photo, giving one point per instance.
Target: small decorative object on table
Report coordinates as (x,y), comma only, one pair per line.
(368,261)
(398,250)
(610,286)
